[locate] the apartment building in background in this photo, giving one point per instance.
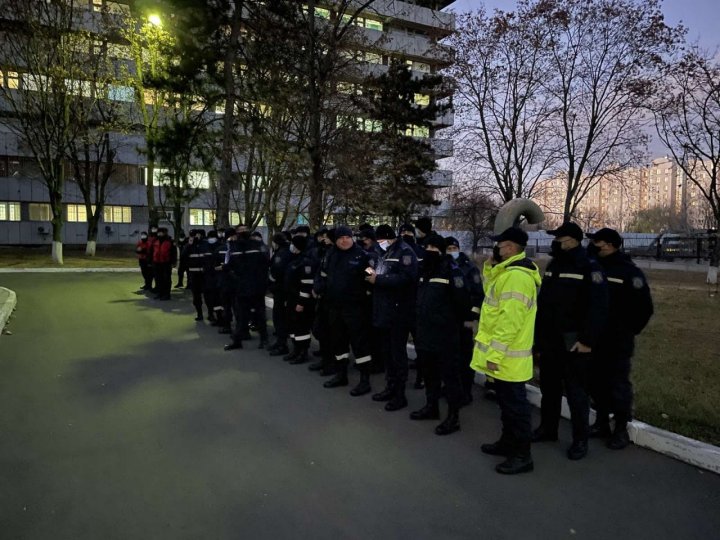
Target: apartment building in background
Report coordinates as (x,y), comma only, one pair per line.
(408,30)
(614,202)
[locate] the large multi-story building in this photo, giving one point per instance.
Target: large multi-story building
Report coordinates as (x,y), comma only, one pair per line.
(408,30)
(614,202)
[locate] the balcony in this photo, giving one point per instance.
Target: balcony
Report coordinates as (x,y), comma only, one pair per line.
(416,16)
(441,179)
(442,148)
(446,120)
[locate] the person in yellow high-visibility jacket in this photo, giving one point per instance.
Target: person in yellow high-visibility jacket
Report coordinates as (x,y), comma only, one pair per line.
(503,344)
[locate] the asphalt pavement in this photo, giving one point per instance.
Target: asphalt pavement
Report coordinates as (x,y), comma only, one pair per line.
(123,418)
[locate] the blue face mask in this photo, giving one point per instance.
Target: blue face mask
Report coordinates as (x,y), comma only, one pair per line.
(455,254)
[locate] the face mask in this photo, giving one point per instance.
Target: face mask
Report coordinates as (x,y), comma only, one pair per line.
(384,244)
(294,250)
(212,240)
(432,256)
(143,237)
(455,255)
(496,254)
(556,248)
(409,238)
(161,236)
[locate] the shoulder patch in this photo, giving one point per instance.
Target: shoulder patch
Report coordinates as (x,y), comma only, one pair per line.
(308,269)
(407,260)
(459,282)
(597,277)
(638,282)
(371,263)
(476,277)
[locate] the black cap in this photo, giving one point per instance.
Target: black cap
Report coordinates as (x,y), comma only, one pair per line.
(407,227)
(230,231)
(611,236)
(212,234)
(452,241)
(568,228)
(300,242)
(300,229)
(366,233)
(385,232)
(512,234)
(424,224)
(343,230)
(437,241)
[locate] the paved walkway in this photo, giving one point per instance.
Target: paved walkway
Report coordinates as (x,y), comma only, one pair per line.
(121,418)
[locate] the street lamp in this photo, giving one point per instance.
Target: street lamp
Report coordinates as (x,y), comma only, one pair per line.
(155,19)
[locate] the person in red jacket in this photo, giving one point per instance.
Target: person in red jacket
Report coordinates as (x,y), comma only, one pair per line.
(164,258)
(142,249)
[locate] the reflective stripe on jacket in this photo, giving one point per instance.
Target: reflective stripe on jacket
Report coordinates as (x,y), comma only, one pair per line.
(507,319)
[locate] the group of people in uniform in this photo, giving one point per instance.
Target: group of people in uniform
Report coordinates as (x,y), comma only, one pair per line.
(363,295)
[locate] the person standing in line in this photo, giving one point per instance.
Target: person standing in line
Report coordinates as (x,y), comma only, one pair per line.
(630,309)
(503,345)
(442,304)
(572,313)
(394,283)
(142,249)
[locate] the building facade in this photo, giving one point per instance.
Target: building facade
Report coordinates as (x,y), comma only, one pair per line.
(410,31)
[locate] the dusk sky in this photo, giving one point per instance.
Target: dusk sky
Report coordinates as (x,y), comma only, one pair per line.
(700,16)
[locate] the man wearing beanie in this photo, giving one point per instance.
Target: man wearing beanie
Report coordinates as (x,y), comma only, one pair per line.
(572,313)
(407,233)
(321,327)
(473,282)
(278,267)
(300,303)
(394,284)
(442,303)
(424,228)
(343,289)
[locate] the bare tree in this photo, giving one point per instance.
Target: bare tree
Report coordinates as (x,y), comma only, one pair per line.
(687,118)
(504,113)
(470,209)
(605,56)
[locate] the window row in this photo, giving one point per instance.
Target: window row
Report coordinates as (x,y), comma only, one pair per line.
(75,213)
(374,126)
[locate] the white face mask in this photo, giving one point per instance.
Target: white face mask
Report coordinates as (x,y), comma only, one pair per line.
(293,249)
(455,254)
(384,244)
(212,240)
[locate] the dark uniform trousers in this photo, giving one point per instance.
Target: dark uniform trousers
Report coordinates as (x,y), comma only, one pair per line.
(442,368)
(163,278)
(147,273)
(196,280)
(250,309)
(301,323)
(570,370)
(467,374)
(610,386)
(392,347)
(350,327)
(279,317)
(515,414)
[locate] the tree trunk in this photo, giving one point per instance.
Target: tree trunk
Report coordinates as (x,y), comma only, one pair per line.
(57,224)
(712,275)
(150,190)
(92,233)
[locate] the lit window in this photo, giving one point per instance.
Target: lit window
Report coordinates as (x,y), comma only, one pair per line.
(322,12)
(422,100)
(121,93)
(76,213)
(40,212)
(97,5)
(234,218)
(373,25)
(117,214)
(13,80)
(417,131)
(9,211)
(373,58)
(200,216)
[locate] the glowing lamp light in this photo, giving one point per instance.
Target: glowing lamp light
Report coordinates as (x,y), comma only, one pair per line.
(155,20)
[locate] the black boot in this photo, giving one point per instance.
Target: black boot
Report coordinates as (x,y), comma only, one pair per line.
(577,450)
(263,341)
(363,387)
(281,349)
(601,428)
(291,355)
(211,317)
(542,434)
(398,401)
(430,411)
(620,437)
(199,316)
(234,345)
(450,425)
(498,448)
(519,461)
(340,378)
(301,357)
(384,395)
(316,366)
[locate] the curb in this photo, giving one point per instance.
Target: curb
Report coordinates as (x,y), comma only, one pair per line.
(63,270)
(691,451)
(670,444)
(7,307)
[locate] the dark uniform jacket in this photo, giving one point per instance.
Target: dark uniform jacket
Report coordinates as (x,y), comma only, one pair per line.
(248,267)
(631,305)
(195,255)
(395,287)
(213,259)
(442,306)
(572,303)
(474,285)
(299,280)
(342,277)
(278,266)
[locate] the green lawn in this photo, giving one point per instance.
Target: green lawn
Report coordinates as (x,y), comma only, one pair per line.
(73,258)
